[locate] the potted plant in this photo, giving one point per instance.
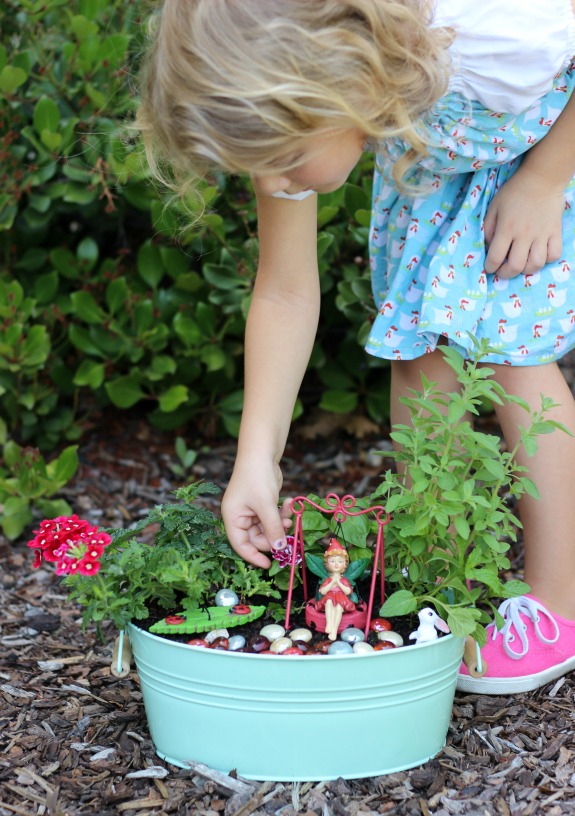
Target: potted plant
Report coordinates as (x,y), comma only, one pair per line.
(446,543)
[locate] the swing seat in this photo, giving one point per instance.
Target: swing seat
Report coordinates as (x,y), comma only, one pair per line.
(316,619)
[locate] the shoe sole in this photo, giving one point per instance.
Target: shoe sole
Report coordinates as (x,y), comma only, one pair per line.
(513,685)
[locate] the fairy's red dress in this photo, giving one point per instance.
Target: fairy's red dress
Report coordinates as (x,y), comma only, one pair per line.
(336,596)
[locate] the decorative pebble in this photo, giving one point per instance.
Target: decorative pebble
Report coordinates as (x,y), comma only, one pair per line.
(221,643)
(292,650)
(281,644)
(392,637)
(352,635)
(301,634)
(273,631)
(322,646)
(216,633)
(361,647)
(340,647)
(380,625)
(199,642)
(258,643)
(236,642)
(301,645)
(226,597)
(383,644)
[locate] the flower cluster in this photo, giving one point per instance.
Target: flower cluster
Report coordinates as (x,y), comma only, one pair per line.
(284,555)
(72,543)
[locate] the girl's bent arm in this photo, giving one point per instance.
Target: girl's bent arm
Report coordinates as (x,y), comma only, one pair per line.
(523,226)
(280,332)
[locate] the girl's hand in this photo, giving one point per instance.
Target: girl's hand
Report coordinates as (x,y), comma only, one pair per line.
(523,225)
(250,512)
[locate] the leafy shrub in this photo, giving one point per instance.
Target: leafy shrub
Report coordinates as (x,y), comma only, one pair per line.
(104,294)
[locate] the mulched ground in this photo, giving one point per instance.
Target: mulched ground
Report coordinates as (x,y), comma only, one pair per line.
(74,740)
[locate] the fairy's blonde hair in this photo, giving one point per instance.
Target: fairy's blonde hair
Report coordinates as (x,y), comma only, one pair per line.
(239,83)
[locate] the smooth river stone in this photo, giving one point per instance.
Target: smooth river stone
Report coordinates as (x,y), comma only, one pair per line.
(216,633)
(361,647)
(352,635)
(273,631)
(301,634)
(379,625)
(340,647)
(280,645)
(258,643)
(226,597)
(392,637)
(236,642)
(221,643)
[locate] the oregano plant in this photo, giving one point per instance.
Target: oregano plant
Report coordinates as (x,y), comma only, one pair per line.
(452,499)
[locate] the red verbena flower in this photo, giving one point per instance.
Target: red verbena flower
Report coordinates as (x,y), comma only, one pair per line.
(73,544)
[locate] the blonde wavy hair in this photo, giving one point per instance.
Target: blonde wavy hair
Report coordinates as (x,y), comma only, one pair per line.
(238,84)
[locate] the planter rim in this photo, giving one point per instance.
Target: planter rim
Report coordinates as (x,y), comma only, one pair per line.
(268,657)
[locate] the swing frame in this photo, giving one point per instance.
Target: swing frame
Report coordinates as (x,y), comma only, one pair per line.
(340,509)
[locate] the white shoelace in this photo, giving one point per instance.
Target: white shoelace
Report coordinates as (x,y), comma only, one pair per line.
(511,610)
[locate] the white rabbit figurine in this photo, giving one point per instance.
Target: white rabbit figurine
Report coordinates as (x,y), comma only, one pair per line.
(429,623)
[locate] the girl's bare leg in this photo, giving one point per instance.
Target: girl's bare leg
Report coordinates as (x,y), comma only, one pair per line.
(548,523)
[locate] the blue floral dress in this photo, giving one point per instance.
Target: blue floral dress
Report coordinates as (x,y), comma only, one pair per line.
(427,252)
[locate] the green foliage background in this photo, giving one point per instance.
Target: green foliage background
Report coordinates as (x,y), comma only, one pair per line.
(104,295)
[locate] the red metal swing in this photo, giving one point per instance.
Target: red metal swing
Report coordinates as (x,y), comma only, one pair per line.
(340,509)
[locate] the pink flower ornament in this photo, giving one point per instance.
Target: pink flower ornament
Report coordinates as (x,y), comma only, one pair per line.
(284,556)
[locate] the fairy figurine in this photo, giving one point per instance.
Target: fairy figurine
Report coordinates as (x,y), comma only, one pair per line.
(336,592)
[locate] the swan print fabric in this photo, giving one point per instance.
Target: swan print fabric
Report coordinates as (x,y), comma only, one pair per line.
(427,252)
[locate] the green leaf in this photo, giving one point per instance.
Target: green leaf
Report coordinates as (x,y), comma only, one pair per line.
(462,620)
(324,240)
(82,340)
(339,402)
(461,526)
(90,373)
(213,357)
(402,602)
(16,516)
(46,115)
(117,293)
(187,330)
(51,140)
(82,27)
(65,262)
(36,347)
(150,266)
(86,308)
(512,589)
(222,277)
(64,467)
(124,391)
(11,78)
(173,398)
(87,253)
(206,620)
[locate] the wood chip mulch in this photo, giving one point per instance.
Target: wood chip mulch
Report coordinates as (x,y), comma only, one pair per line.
(74,740)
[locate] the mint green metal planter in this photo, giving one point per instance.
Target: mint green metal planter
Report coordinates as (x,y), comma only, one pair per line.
(297,718)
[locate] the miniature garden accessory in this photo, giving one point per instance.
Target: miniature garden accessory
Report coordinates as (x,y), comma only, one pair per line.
(533,648)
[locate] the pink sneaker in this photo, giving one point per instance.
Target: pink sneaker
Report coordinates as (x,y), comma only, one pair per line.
(533,648)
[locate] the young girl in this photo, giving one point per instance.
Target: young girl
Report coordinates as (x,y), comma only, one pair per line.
(472,228)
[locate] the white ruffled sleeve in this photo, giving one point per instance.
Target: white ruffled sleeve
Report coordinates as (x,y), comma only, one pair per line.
(506,52)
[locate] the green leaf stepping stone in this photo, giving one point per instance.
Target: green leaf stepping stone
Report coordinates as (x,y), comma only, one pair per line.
(204,620)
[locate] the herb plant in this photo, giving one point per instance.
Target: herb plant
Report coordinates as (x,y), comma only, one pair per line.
(452,519)
(187,562)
